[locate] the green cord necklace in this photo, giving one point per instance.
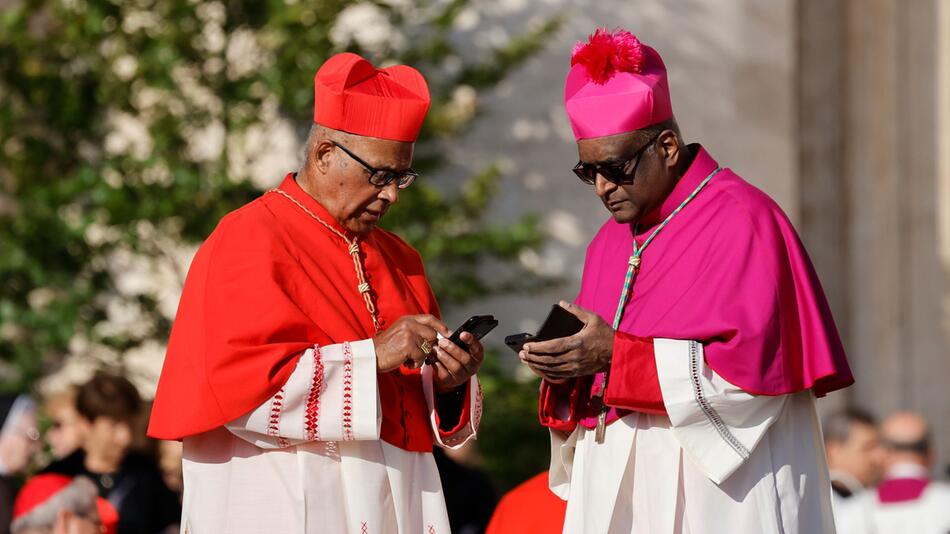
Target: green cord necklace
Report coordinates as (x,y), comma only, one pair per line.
(632,270)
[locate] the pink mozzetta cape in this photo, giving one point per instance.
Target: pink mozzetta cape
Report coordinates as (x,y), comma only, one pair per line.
(729,271)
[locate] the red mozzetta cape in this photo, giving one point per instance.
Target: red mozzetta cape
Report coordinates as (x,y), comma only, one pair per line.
(269,283)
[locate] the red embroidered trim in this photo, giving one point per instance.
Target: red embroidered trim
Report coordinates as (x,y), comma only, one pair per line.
(347,392)
(317,385)
(431,529)
(363,528)
(477,415)
(273,425)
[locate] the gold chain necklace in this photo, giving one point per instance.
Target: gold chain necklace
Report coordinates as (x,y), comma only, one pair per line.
(354,250)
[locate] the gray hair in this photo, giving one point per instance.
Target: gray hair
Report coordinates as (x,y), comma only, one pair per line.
(317,133)
(79,497)
(655,129)
(313,136)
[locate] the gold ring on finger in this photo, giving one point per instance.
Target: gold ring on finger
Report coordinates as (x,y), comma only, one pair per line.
(425,347)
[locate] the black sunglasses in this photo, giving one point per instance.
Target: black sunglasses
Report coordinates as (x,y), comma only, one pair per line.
(382,177)
(616,171)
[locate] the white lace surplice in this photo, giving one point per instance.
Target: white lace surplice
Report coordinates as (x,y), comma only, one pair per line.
(723,461)
(309,460)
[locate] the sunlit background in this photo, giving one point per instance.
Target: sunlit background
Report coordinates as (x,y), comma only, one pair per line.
(128,128)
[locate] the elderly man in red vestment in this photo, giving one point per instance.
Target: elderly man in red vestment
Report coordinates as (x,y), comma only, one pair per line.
(294,373)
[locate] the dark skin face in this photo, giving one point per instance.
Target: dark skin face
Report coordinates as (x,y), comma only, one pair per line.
(590,351)
(659,169)
(342,184)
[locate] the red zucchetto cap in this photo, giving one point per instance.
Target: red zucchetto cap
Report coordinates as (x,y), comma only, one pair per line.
(352,95)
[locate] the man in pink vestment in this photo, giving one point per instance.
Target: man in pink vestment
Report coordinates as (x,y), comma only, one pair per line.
(686,403)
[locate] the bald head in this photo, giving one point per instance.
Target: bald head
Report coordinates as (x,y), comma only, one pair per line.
(906,437)
(904,427)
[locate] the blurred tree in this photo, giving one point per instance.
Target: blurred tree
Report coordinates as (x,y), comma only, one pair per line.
(128,128)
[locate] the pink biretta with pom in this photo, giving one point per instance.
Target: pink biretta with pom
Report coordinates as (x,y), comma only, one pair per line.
(616,85)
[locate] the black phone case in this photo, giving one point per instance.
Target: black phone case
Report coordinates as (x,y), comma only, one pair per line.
(516,341)
(478,326)
(559,323)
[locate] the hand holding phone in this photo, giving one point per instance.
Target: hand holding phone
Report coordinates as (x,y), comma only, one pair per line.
(580,343)
(559,323)
(477,325)
(452,366)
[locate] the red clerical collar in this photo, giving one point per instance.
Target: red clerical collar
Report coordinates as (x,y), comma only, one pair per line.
(699,169)
(292,188)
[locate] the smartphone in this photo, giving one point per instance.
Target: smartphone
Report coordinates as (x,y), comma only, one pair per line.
(516,341)
(559,323)
(477,325)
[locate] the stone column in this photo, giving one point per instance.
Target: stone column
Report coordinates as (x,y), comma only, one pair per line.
(872,76)
(941,295)
(823,184)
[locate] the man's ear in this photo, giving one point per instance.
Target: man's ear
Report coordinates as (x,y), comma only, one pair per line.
(321,155)
(669,143)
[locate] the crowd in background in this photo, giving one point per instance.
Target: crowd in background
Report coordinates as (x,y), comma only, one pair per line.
(79,461)
(93,470)
(882,474)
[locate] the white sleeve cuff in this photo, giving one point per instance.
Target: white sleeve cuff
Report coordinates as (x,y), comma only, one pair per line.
(716,423)
(471,419)
(332,395)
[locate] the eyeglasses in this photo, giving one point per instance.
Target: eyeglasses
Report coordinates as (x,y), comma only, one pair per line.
(615,172)
(382,177)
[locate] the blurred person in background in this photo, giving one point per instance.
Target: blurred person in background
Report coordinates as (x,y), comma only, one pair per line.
(853,448)
(530,508)
(108,407)
(908,500)
(169,462)
(19,442)
(57,504)
(469,495)
(64,434)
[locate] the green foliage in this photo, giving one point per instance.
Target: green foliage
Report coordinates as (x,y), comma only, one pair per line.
(128,128)
(514,445)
